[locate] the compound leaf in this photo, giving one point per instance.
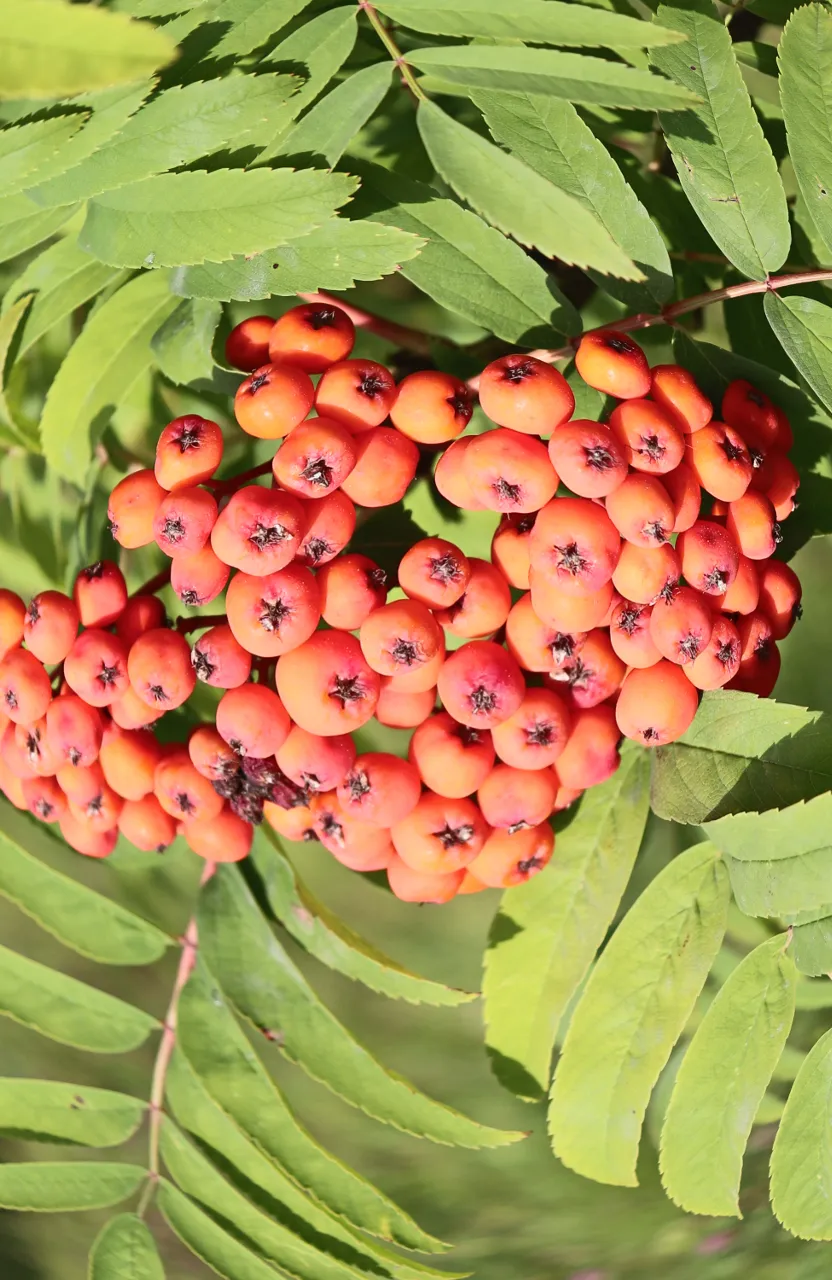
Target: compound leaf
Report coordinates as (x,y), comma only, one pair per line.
(46,1111)
(63,1187)
(23,225)
(253,22)
(327,130)
(801,1160)
(804,328)
(24,148)
(805,58)
(125,1250)
(530,20)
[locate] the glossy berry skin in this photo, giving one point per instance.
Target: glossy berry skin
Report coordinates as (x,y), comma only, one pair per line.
(141,613)
(420,886)
(515,798)
(315,458)
(535,644)
(594,675)
(719,661)
(253,720)
(759,656)
(189,451)
(482,608)
(259,531)
(682,486)
(452,759)
(198,577)
(351,588)
(743,594)
(752,523)
(434,572)
(272,615)
(385,467)
(525,394)
(656,705)
(630,634)
(330,523)
(536,734)
(400,637)
(128,760)
(641,510)
(613,363)
(160,670)
(184,520)
(273,400)
(709,557)
(675,389)
(146,825)
(510,472)
(315,763)
(50,626)
(431,407)
(481,685)
(510,549)
(588,457)
(650,440)
(96,667)
(211,755)
(779,479)
(440,836)
(219,660)
(357,393)
(719,458)
(451,476)
(327,685)
(506,859)
(643,573)
(380,788)
(12,619)
(575,545)
(247,345)
(100,594)
(751,411)
(779,597)
(569,611)
(132,507)
(225,838)
(312,337)
(681,625)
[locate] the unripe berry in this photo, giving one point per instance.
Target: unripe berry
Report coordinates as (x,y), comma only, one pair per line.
(74,730)
(650,440)
(351,588)
(780,596)
(188,453)
(327,685)
(271,615)
(199,577)
(146,825)
(400,637)
(675,389)
(183,792)
(575,545)
(128,761)
(225,838)
(508,859)
(100,594)
(719,661)
(259,530)
(481,684)
(510,549)
(312,337)
(591,752)
(132,507)
(484,605)
(525,394)
(510,472)
(613,363)
(588,457)
(141,613)
(219,660)
(384,470)
(247,345)
(160,671)
(25,689)
(314,763)
(380,788)
(440,835)
(315,458)
(536,734)
(431,407)
(253,720)
(420,886)
(358,393)
(719,458)
(656,705)
(330,523)
(452,759)
(184,520)
(12,618)
(434,572)
(50,626)
(273,400)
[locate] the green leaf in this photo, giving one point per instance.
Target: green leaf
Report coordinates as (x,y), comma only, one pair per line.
(23,225)
(333,256)
(49,49)
(330,126)
(535,21)
(24,148)
(64,1188)
(322,46)
(546,218)
(724,163)
(812,941)
(125,1250)
(67,1010)
(79,917)
(214,1246)
(779,886)
(545,936)
(591,81)
(467,266)
(112,351)
(45,1111)
(254,22)
(801,1161)
(327,938)
(805,58)
(743,752)
(184,218)
(804,328)
(18,432)
(633,1009)
(813,995)
(723,1079)
(267,988)
(550,137)
(196,1177)
(178,127)
(235,1079)
(182,344)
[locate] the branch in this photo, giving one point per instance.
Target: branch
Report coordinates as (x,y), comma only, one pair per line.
(264,469)
(412,339)
(393,49)
(159,580)
(184,625)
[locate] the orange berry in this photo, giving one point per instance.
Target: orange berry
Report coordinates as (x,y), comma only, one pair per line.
(403,710)
(44,798)
(385,467)
(440,835)
(516,798)
(434,572)
(588,457)
(743,595)
(431,407)
(508,859)
(759,656)
(780,596)
(565,612)
(14,754)
(418,886)
(675,389)
(536,734)
(709,557)
(358,393)
(160,670)
(272,400)
(574,546)
(100,594)
(481,684)
(536,645)
(25,689)
(330,523)
(184,520)
(211,755)
(253,720)
(326,684)
(270,615)
(198,577)
(595,673)
(141,613)
(247,345)
(719,458)
(132,507)
(220,660)
(681,624)
(259,530)
(656,705)
(643,573)
(314,763)
(74,730)
(189,451)
(649,439)
(12,619)
(591,752)
(312,336)
(50,626)
(452,759)
(641,510)
(685,494)
(315,458)
(400,637)
(525,394)
(470,884)
(451,476)
(84,838)
(128,761)
(361,846)
(750,410)
(225,838)
(630,634)
(295,824)
(351,588)
(129,711)
(612,362)
(510,472)
(510,549)
(380,788)
(779,480)
(719,661)
(752,523)
(418,679)
(484,605)
(33,742)
(100,810)
(146,825)
(183,792)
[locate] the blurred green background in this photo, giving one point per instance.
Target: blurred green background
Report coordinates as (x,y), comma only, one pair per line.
(513,1214)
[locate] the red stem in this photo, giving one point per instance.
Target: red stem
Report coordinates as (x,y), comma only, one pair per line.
(227,486)
(413,339)
(184,625)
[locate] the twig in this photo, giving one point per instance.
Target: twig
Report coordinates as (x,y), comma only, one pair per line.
(393,49)
(184,625)
(226,486)
(159,580)
(412,339)
(187,960)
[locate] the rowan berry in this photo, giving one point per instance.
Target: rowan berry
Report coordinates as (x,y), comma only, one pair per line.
(685,494)
(330,523)
(750,411)
(84,838)
(358,393)
(681,624)
(361,846)
(649,439)
(184,520)
(11,787)
(253,720)
(327,685)
(211,755)
(247,345)
(32,741)
(779,480)
(709,557)
(183,792)
(507,859)
(384,470)
(434,572)
(510,549)
(296,824)
(129,711)
(12,620)
(719,661)
(44,798)
(565,612)
(380,788)
(259,531)
(535,645)
(128,759)
(313,336)
(759,656)
(132,507)
(484,605)
(146,825)
(13,753)
(400,637)
(644,573)
(25,689)
(272,400)
(611,362)
(641,510)
(451,477)
(74,730)
(268,616)
(594,674)
(452,758)
(512,798)
(100,594)
(419,679)
(574,546)
(141,613)
(431,407)
(440,835)
(189,451)
(591,752)
(588,457)
(719,458)
(220,660)
(480,684)
(198,577)
(101,810)
(315,458)
(525,394)
(470,884)
(752,523)
(536,734)
(656,705)
(630,634)
(418,886)
(314,763)
(743,595)
(510,472)
(780,596)
(403,710)
(225,838)
(160,670)
(675,389)
(50,626)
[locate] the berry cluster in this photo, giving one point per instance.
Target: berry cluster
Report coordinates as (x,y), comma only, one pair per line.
(601,613)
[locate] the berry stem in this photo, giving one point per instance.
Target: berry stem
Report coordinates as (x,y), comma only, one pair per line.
(393,49)
(228,486)
(184,625)
(154,584)
(412,339)
(187,960)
